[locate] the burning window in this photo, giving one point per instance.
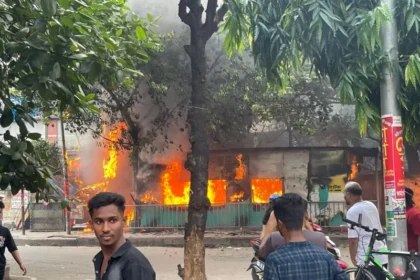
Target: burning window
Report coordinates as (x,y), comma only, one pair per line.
(176,192)
(263,188)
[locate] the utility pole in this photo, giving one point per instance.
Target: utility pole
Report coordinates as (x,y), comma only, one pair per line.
(66,175)
(392,145)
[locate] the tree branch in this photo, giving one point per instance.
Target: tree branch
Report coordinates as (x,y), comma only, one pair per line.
(125,113)
(214,18)
(186,17)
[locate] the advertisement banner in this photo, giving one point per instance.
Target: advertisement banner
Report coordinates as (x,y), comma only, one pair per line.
(393,168)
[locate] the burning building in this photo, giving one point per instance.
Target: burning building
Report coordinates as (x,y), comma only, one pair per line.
(239,186)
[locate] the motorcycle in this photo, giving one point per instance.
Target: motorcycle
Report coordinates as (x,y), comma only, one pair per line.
(258,263)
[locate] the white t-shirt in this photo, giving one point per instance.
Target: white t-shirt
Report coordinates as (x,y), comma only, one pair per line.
(370,218)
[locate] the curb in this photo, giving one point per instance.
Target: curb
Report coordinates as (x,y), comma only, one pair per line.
(158,241)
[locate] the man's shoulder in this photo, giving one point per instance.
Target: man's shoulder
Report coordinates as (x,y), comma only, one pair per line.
(137,258)
(4,230)
(284,253)
(413,212)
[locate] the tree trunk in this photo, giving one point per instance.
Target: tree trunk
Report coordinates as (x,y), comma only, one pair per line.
(197,163)
(191,12)
(412,159)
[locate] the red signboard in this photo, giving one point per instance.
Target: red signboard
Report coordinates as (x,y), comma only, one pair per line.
(393,164)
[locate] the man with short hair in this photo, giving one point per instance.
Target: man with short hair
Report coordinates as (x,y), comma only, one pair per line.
(6,240)
(298,259)
(274,240)
(413,222)
(359,238)
(118,259)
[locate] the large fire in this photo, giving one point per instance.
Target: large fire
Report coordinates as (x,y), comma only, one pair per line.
(263,188)
(177,192)
(109,165)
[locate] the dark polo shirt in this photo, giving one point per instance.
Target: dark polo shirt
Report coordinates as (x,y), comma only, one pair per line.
(127,263)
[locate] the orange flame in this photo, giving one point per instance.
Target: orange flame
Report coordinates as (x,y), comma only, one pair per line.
(237,197)
(240,171)
(263,188)
(129,215)
(176,192)
(109,167)
(354,168)
(149,198)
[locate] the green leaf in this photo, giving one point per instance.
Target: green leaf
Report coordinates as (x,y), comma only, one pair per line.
(23,130)
(78,56)
(55,74)
(16,156)
(150,17)
(34,136)
(140,33)
(64,3)
(49,7)
(7,150)
(62,87)
(119,32)
(6,118)
(29,170)
(65,203)
(22,33)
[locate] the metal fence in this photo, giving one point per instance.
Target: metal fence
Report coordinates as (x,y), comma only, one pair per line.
(47,217)
(243,215)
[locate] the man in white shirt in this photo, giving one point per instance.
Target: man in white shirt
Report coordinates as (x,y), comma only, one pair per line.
(359,238)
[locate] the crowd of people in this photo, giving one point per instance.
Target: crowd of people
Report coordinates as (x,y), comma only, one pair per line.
(293,251)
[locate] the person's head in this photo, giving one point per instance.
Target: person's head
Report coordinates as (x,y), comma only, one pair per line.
(1,209)
(352,193)
(409,193)
(273,197)
(290,210)
(106,210)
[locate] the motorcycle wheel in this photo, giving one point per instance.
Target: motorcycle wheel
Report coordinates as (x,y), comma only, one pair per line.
(254,275)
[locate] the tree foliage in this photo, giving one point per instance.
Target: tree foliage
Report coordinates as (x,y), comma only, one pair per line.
(50,154)
(339,39)
(51,54)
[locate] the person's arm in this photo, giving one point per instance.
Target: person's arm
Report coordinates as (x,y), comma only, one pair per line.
(337,272)
(270,227)
(265,247)
(136,272)
(353,237)
(11,246)
(414,223)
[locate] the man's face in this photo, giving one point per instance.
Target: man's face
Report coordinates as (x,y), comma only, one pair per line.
(1,213)
(108,223)
(347,198)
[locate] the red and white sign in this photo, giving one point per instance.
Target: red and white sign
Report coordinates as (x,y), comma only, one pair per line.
(393,164)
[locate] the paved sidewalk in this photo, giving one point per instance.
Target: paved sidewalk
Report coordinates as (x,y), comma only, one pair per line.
(157,239)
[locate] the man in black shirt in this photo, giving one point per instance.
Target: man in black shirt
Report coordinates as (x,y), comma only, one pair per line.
(118,259)
(6,240)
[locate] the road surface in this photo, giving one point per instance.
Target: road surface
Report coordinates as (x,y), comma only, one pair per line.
(69,263)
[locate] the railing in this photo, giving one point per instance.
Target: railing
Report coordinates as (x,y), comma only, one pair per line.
(244,215)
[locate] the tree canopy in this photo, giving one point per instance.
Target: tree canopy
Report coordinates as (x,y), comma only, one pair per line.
(53,54)
(339,39)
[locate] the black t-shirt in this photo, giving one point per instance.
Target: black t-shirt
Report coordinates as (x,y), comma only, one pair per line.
(6,240)
(127,263)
